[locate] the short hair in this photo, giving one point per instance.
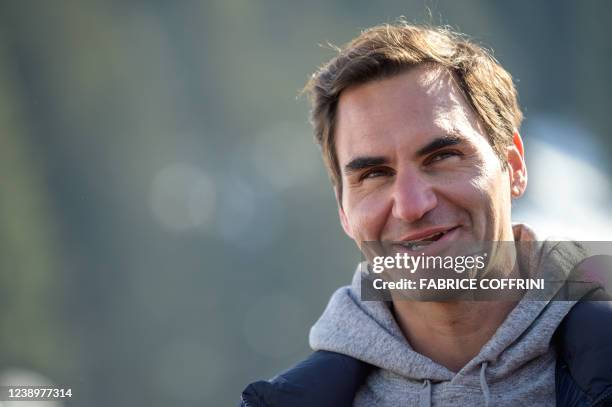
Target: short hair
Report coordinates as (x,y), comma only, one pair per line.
(386,50)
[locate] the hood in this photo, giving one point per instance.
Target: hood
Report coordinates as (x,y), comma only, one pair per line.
(367,330)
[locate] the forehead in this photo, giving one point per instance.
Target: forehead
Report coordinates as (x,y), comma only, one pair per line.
(409,107)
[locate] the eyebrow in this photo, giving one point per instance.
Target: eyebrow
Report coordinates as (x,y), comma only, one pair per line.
(360,163)
(439,143)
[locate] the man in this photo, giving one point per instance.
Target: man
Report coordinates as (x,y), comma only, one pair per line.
(419,129)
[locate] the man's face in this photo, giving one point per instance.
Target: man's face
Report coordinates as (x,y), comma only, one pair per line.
(416,164)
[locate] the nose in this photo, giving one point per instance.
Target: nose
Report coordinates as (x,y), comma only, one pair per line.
(413,197)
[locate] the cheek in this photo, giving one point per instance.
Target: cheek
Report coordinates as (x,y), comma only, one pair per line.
(367,217)
(485,189)
(491,198)
(491,178)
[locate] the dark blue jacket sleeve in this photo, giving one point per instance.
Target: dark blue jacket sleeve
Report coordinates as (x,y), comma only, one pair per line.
(324,379)
(584,368)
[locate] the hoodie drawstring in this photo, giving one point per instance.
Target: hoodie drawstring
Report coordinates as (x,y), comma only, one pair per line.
(483,383)
(425,396)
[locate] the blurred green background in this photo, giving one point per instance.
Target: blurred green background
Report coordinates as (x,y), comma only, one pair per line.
(168,233)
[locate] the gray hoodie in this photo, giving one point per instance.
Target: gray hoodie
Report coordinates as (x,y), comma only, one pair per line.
(515,367)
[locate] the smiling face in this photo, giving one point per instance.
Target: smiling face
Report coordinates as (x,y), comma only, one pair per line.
(417,166)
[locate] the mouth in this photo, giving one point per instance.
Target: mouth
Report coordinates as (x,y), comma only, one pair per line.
(425,240)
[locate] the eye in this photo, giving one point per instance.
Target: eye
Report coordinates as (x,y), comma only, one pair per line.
(443,155)
(375,173)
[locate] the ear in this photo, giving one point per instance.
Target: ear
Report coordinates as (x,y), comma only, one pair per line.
(517,169)
(343,218)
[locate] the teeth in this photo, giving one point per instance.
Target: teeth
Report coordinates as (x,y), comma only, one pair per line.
(433,236)
(426,241)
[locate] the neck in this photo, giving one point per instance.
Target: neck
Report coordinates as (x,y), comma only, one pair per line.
(450,333)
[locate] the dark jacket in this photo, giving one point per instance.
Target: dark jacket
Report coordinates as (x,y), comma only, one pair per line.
(583,372)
